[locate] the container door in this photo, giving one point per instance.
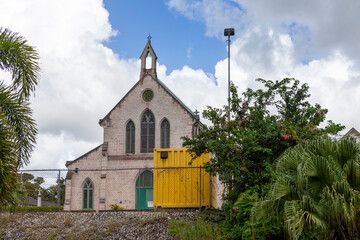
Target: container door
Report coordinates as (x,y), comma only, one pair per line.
(144,191)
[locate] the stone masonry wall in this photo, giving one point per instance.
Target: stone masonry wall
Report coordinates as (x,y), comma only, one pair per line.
(132,107)
(74,187)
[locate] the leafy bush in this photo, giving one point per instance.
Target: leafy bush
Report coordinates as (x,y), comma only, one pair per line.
(32,208)
(316,191)
(116,207)
(238,225)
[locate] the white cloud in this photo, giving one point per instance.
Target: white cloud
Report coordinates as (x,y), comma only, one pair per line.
(315,42)
(82,79)
(216,14)
(194,87)
(333,79)
(188,53)
(53,150)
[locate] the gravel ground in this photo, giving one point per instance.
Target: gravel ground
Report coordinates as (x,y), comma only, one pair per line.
(90,225)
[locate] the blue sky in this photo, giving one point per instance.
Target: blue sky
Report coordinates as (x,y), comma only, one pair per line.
(90,49)
(177,40)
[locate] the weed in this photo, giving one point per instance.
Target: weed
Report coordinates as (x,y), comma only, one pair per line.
(116,207)
(67,220)
(199,229)
(51,235)
(2,234)
(4,221)
(22,228)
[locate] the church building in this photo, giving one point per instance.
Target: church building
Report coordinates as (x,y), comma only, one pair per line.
(149,116)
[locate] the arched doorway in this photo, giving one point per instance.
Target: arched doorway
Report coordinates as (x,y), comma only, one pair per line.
(144,191)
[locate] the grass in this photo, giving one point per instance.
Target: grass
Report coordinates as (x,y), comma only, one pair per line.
(67,220)
(199,229)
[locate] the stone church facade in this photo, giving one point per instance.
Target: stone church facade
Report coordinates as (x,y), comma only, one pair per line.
(148,116)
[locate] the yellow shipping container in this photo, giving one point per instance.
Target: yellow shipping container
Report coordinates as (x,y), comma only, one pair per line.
(176,183)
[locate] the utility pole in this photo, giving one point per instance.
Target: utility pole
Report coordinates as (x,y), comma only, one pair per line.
(229,32)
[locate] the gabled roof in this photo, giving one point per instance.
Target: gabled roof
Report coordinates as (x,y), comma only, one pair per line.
(152,73)
(352,130)
(192,114)
(68,163)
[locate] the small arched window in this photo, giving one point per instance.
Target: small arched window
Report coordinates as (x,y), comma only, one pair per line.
(145,180)
(165,134)
(88,195)
(147,132)
(130,137)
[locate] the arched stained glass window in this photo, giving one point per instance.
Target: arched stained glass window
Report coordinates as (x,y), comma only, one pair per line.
(88,195)
(165,134)
(130,137)
(147,132)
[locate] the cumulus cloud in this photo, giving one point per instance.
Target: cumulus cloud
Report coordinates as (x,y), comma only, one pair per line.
(332,24)
(82,79)
(214,13)
(333,79)
(311,41)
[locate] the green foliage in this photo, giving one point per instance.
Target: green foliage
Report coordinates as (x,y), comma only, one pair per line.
(238,225)
(32,209)
(50,193)
(116,207)
(29,187)
(193,230)
(17,128)
(264,123)
(316,192)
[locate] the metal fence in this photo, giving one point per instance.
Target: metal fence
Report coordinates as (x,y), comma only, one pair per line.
(48,184)
(130,188)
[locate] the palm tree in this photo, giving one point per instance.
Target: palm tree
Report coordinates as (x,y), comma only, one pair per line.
(316,191)
(17,128)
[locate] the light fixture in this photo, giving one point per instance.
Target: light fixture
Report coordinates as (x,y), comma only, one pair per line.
(229,32)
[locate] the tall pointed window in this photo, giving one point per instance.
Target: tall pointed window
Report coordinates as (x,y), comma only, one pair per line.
(165,134)
(88,195)
(130,137)
(147,132)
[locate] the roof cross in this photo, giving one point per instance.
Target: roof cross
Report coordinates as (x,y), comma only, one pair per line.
(149,37)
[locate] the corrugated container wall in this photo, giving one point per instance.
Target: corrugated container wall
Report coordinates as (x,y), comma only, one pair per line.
(179,186)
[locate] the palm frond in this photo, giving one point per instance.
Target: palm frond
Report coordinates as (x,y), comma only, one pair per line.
(21,59)
(17,118)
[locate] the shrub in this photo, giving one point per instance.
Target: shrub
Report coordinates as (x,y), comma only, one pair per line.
(116,207)
(33,208)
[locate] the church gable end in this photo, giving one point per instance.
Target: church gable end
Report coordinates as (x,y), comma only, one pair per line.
(149,116)
(148,94)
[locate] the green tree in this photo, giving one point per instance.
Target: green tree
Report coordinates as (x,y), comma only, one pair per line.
(30,186)
(316,191)
(264,123)
(50,194)
(17,128)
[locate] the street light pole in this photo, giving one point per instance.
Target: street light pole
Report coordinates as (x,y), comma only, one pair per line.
(229,32)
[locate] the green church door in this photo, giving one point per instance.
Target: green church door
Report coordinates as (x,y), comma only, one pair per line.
(144,191)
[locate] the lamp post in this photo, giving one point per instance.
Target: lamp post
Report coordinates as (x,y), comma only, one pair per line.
(229,32)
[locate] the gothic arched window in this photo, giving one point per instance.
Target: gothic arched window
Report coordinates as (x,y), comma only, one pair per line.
(147,132)
(88,195)
(165,134)
(130,137)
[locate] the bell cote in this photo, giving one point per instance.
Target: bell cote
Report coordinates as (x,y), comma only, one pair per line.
(144,68)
